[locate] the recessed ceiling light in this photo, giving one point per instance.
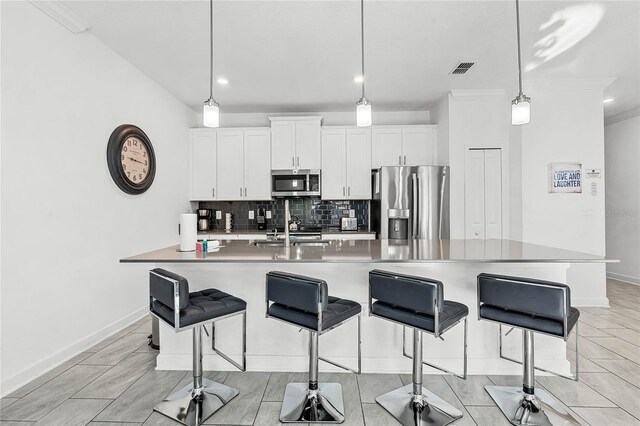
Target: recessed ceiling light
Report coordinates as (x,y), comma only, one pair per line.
(608,100)
(223,81)
(358,79)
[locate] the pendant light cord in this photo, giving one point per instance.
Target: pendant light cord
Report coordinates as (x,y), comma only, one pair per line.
(519,58)
(211,49)
(362,41)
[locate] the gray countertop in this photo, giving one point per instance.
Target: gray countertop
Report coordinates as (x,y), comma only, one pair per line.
(375,251)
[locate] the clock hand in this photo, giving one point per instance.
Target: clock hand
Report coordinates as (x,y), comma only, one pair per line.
(133,159)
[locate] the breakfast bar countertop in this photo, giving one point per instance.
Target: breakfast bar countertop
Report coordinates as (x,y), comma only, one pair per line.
(374,251)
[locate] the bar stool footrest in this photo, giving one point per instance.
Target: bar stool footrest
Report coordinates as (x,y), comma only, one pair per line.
(301,404)
(546,410)
(182,406)
(433,410)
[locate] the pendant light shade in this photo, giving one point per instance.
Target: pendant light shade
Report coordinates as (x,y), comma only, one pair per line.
(520,110)
(521,105)
(363,106)
(211,113)
(211,108)
(363,113)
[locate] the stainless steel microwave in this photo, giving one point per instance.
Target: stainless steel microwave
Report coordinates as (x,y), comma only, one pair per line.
(295,183)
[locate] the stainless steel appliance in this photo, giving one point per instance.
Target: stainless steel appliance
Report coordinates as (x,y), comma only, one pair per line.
(262,221)
(411,202)
(295,183)
(205,221)
(348,224)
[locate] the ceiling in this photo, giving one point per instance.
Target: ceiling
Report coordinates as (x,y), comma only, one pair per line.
(299,56)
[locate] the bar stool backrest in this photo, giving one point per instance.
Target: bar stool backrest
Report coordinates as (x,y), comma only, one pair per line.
(162,287)
(297,291)
(542,298)
(418,294)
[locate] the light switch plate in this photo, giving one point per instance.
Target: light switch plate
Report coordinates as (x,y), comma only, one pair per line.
(352,213)
(268,214)
(219,214)
(251,216)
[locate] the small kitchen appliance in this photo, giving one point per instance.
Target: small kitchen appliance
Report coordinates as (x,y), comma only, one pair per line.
(261,219)
(205,217)
(348,224)
(295,183)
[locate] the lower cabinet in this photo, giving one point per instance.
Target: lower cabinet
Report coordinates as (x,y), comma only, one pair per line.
(346,164)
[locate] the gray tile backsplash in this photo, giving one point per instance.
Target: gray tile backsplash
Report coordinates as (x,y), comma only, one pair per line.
(310,211)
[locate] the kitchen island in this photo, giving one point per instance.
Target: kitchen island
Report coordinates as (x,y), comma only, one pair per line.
(239,268)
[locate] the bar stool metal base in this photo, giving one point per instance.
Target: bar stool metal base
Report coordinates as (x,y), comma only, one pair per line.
(191,410)
(418,410)
(542,410)
(302,404)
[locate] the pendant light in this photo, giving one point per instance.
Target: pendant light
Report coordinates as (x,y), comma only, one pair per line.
(211,108)
(363,106)
(521,105)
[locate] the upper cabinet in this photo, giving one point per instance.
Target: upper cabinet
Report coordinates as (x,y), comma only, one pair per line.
(202,158)
(230,164)
(403,145)
(346,159)
(295,142)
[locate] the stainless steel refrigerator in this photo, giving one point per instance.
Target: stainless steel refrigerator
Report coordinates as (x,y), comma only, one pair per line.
(411,202)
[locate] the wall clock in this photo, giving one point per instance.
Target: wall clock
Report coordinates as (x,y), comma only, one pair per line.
(131,160)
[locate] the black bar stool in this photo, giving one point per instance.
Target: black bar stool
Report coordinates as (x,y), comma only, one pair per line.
(305,303)
(533,306)
(171,302)
(417,303)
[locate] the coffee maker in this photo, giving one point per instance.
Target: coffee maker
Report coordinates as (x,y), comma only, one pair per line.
(205,219)
(262,221)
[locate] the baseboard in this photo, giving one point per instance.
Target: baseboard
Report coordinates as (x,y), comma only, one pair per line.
(590,302)
(19,379)
(624,278)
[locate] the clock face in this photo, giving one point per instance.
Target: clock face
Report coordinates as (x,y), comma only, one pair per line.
(134,157)
(131,159)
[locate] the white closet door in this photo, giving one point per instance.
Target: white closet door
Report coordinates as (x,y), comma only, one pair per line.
(474,199)
(493,193)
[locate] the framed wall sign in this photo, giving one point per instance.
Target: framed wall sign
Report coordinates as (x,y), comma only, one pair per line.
(565,177)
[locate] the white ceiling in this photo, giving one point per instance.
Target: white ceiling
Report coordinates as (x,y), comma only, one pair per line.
(296,56)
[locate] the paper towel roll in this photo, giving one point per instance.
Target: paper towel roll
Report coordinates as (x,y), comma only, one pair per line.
(188,231)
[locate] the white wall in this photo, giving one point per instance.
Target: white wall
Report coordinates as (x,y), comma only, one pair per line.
(476,119)
(64,223)
(622,160)
(342,118)
(560,132)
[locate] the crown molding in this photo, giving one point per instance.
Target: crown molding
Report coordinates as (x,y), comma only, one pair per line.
(624,115)
(469,95)
(569,84)
(62,15)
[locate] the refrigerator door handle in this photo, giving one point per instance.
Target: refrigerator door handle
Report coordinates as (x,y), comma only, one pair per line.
(415,210)
(442,186)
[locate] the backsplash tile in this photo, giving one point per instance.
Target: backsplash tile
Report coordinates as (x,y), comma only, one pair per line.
(310,211)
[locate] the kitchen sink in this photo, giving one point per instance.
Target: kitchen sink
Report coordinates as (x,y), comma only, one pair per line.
(300,243)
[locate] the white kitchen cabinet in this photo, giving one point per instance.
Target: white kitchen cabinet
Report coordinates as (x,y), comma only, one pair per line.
(295,142)
(419,145)
(386,147)
(202,163)
(404,146)
(346,159)
(257,161)
(230,164)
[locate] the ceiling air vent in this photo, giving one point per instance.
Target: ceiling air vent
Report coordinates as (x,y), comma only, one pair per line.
(462,67)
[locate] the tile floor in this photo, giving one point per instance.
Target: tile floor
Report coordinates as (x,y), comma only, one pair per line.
(115,383)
